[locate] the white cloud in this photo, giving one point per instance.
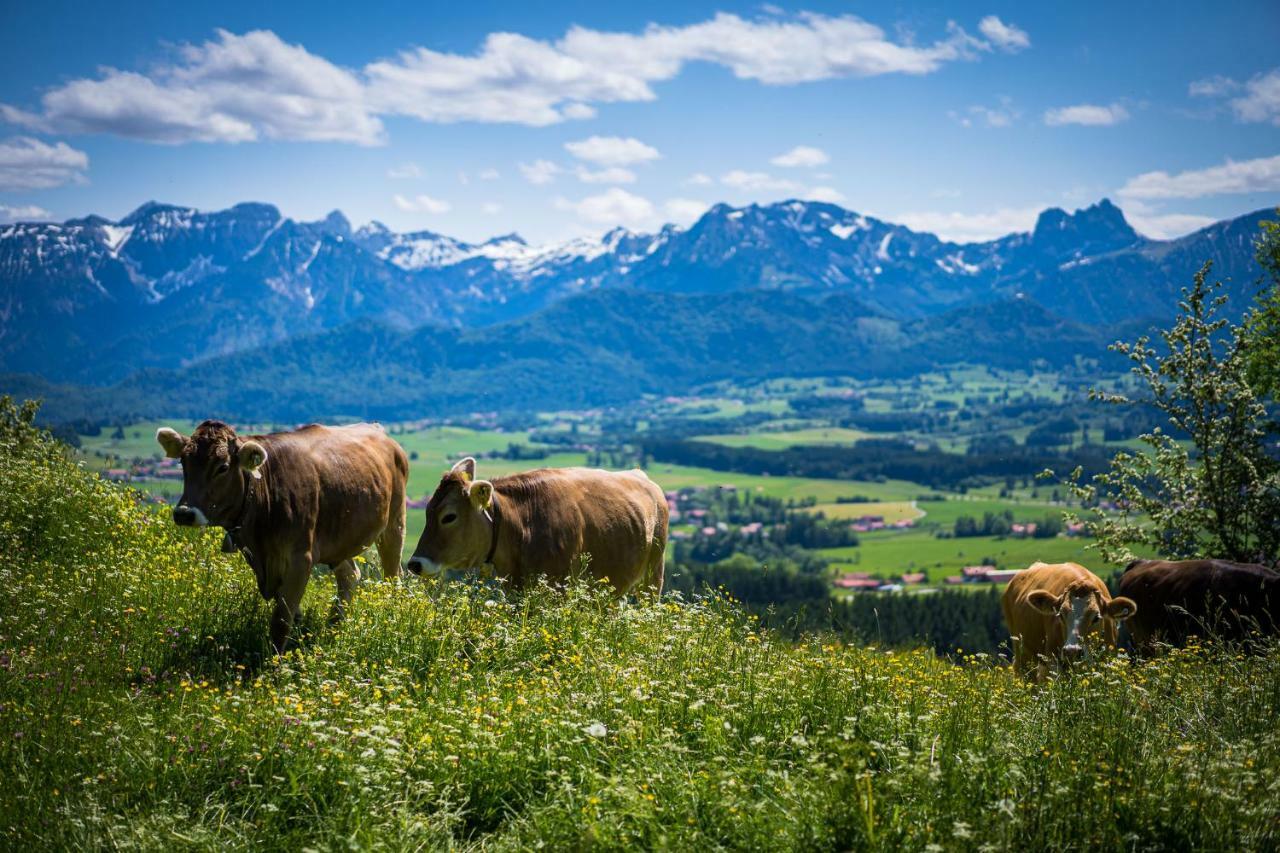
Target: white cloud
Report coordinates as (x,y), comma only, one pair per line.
(1212,87)
(1002,116)
(684,211)
(30,164)
(405,171)
(490,208)
(243,87)
(540,172)
(422,204)
(1261,99)
(1233,176)
(698,179)
(802,156)
(23,213)
(612,175)
(488,174)
(1007,37)
(827,194)
(1147,219)
(972,227)
(615,206)
(1090,115)
(235,88)
(741,180)
(612,150)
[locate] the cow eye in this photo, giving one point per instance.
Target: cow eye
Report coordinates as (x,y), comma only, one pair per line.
(224,467)
(450,518)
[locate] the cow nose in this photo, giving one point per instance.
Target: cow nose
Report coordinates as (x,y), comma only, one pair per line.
(184,516)
(418,565)
(1072,652)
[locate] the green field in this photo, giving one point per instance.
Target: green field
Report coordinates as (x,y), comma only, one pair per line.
(891,510)
(890,553)
(782,439)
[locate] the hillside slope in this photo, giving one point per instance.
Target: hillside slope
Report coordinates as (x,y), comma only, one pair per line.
(139,708)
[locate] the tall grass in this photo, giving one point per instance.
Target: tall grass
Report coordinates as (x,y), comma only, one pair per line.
(140,708)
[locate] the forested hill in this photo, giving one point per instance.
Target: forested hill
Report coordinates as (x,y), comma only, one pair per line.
(599,348)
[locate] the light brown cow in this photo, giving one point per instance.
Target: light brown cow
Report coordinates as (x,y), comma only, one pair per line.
(291,500)
(1053,611)
(545,522)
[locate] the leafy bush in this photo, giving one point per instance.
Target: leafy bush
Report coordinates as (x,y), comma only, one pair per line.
(139,709)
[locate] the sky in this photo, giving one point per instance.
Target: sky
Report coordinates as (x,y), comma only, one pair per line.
(562,119)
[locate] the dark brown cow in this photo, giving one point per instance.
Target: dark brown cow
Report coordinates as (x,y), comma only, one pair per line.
(1179,598)
(290,500)
(545,522)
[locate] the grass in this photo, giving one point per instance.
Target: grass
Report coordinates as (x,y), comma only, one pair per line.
(891,510)
(139,709)
(891,553)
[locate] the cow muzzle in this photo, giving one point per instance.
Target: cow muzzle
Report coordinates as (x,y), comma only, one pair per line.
(189,516)
(421,565)
(1073,652)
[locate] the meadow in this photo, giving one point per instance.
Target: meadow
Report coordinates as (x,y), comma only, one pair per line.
(140,709)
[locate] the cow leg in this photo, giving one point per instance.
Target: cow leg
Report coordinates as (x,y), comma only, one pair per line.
(347,575)
(391,542)
(289,599)
(656,569)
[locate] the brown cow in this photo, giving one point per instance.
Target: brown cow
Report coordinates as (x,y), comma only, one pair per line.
(1052,610)
(290,500)
(545,522)
(1179,598)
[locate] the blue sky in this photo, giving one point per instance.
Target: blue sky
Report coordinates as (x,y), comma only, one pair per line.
(558,119)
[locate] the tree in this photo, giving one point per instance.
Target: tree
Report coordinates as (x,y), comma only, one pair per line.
(1223,499)
(1262,326)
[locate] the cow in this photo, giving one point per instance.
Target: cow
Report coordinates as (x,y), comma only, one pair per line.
(1179,598)
(290,500)
(548,522)
(1052,611)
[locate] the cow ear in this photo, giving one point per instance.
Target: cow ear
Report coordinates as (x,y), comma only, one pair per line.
(481,494)
(172,441)
(251,455)
(1121,608)
(1045,602)
(466,467)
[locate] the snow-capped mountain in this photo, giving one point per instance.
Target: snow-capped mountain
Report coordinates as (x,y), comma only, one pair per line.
(94,300)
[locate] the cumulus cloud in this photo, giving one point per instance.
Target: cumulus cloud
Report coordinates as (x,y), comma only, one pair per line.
(540,172)
(683,211)
(30,164)
(614,175)
(972,227)
(742,180)
(612,150)
(1089,115)
(1261,99)
(23,213)
(1007,37)
(615,206)
(243,87)
(490,208)
(488,174)
(234,88)
(698,179)
(802,156)
(422,204)
(1001,116)
(1212,87)
(827,194)
(405,171)
(1149,220)
(1232,177)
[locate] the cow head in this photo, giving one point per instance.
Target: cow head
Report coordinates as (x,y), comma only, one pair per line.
(1079,612)
(215,468)
(459,528)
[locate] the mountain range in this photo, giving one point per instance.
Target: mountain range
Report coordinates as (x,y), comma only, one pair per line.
(794,286)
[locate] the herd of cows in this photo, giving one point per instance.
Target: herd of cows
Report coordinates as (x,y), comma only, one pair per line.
(322,495)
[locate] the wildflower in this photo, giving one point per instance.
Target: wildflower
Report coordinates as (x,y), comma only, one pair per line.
(597,730)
